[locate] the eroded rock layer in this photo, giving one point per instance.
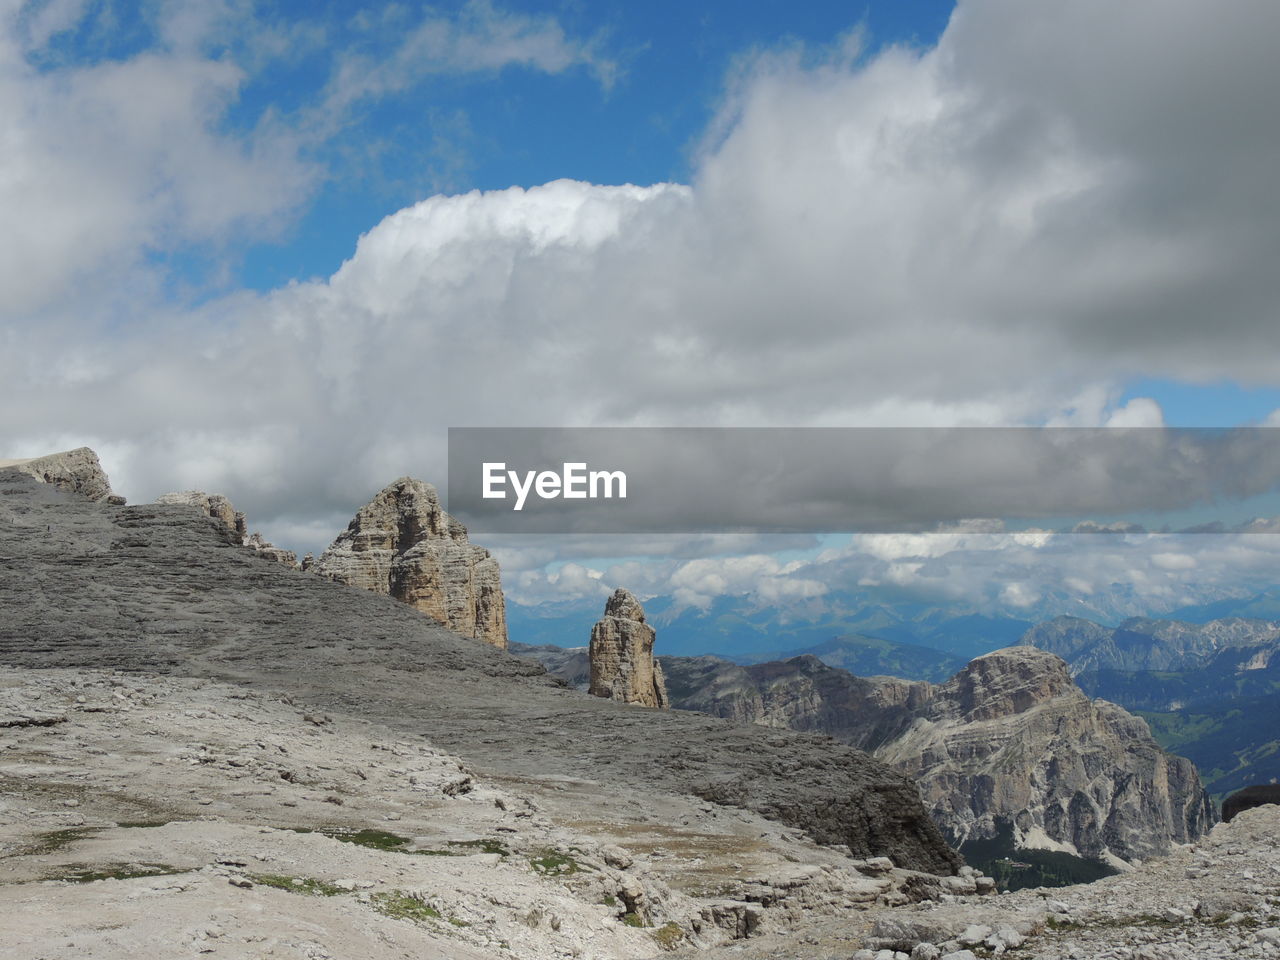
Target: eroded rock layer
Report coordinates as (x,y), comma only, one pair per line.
(402,544)
(219,508)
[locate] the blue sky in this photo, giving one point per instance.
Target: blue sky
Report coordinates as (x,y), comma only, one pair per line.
(244,253)
(639,116)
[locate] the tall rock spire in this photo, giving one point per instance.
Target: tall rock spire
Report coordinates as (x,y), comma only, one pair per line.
(622,663)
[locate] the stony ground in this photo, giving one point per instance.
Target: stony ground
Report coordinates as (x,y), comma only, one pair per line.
(194,818)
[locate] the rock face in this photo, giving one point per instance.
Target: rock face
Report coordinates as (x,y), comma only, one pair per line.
(402,544)
(621,655)
(218,507)
(1009,743)
(77,470)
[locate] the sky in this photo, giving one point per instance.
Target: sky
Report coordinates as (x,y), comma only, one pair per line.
(275,250)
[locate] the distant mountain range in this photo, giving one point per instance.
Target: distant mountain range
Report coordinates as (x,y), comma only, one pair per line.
(1210,691)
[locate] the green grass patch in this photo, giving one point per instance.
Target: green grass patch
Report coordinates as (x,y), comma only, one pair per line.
(123,871)
(632,919)
(398,905)
(55,840)
(309,886)
(373,839)
(386,841)
(668,936)
(552,863)
(485,845)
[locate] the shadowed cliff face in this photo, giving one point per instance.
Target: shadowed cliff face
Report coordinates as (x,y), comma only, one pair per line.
(1010,737)
(162,589)
(402,544)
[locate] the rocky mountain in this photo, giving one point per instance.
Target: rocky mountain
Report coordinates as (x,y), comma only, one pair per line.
(161,589)
(402,544)
(219,508)
(1214,900)
(1210,691)
(620,655)
(1008,747)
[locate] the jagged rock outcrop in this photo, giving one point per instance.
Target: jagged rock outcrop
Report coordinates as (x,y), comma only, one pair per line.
(77,470)
(213,505)
(219,508)
(402,544)
(1010,742)
(621,653)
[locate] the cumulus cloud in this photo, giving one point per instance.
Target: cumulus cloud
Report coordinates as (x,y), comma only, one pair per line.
(994,230)
(105,164)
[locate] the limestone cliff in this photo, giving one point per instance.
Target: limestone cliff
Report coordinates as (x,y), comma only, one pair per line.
(219,508)
(1010,741)
(77,470)
(621,654)
(402,544)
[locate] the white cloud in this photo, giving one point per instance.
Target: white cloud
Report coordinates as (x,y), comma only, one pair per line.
(481,38)
(104,164)
(993,231)
(1137,413)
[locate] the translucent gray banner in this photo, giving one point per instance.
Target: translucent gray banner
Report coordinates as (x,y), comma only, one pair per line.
(874,480)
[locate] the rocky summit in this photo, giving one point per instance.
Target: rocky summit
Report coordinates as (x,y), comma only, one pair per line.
(1009,747)
(402,544)
(621,655)
(76,470)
